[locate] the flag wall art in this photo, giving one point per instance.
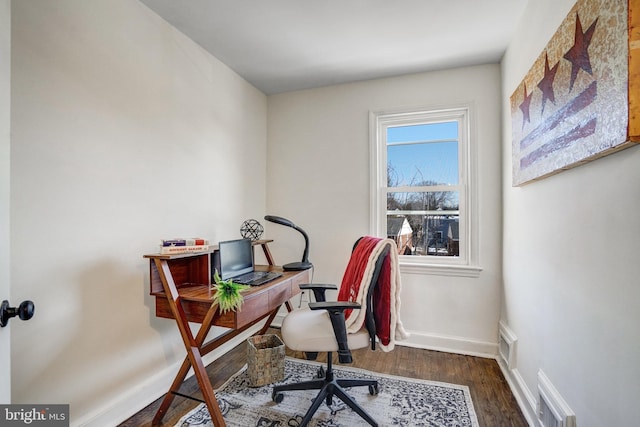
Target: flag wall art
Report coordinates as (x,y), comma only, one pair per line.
(581,98)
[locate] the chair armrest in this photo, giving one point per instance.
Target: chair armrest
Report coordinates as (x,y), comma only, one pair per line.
(318,289)
(336,315)
(333,305)
(318,285)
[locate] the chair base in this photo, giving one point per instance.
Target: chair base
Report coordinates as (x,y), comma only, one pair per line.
(329,387)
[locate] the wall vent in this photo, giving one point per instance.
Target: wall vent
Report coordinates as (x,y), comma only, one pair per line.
(553,411)
(507,346)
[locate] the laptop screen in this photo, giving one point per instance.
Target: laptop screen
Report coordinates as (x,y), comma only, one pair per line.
(236,258)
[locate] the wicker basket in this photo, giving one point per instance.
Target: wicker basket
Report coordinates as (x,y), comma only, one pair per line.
(265,360)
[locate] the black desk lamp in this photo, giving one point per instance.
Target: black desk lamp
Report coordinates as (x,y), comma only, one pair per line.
(304,264)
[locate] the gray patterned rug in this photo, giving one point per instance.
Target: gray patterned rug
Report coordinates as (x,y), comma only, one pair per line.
(400,402)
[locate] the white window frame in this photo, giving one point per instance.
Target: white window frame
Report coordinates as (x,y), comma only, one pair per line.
(466,264)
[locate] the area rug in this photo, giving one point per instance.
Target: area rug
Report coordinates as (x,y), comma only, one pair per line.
(400,402)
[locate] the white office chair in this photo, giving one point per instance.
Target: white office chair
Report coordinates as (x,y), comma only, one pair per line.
(367,311)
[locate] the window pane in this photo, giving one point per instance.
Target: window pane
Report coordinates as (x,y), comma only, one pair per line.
(433,163)
(426,234)
(423,201)
(425,132)
(425,154)
(424,223)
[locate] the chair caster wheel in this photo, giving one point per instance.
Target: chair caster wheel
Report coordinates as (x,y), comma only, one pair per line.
(321,372)
(277,397)
(373,390)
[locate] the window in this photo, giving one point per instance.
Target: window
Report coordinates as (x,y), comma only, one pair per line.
(422,191)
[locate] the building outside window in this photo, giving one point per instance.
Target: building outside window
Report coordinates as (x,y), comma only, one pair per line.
(421,189)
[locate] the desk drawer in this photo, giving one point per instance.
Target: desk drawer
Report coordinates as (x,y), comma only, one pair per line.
(194,312)
(278,295)
(299,280)
(254,306)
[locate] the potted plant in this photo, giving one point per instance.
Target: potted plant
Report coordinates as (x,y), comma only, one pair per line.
(227,293)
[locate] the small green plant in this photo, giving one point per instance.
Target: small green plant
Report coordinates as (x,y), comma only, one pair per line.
(227,293)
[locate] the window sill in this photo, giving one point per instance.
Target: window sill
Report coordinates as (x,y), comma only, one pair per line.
(440,269)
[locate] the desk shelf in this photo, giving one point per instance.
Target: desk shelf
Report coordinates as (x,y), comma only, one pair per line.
(192,269)
(187,270)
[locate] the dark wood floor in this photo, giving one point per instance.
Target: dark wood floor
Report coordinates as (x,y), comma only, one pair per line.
(493,401)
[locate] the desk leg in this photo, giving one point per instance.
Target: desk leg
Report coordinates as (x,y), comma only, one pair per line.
(267,324)
(184,369)
(192,345)
(168,398)
(205,387)
(272,316)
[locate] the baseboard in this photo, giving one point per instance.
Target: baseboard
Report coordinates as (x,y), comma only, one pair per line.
(450,344)
(136,399)
(524,397)
(277,321)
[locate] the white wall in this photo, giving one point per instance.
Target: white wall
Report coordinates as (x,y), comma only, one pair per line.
(318,176)
(5,122)
(123,132)
(571,243)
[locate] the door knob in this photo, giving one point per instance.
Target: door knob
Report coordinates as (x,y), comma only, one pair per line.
(24,311)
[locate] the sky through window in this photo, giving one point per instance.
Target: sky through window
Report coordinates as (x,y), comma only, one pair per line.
(423,153)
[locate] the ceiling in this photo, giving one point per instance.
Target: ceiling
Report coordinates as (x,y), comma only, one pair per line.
(285,45)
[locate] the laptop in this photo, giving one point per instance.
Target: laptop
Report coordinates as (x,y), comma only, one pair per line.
(236,262)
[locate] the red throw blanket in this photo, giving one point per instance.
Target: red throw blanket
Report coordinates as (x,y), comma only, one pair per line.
(356,282)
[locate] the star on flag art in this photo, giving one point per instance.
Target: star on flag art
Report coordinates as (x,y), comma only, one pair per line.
(576,102)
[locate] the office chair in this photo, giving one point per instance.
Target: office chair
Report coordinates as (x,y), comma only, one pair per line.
(367,311)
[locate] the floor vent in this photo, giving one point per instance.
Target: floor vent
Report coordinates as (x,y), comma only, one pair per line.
(507,346)
(553,411)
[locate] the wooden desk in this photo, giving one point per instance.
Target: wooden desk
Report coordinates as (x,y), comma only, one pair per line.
(181,285)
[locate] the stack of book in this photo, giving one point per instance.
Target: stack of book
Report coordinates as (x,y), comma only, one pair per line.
(183,246)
